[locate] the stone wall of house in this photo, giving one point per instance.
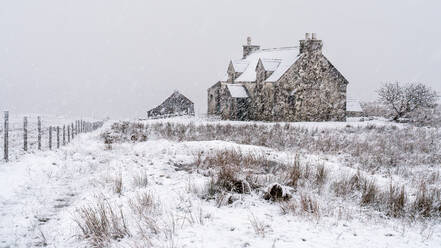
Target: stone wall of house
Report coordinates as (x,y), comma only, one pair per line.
(219,101)
(213,99)
(310,90)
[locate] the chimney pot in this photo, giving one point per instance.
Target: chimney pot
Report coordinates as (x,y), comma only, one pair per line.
(310,45)
(248,48)
(307,36)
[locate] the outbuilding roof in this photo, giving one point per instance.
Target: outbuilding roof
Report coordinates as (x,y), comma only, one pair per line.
(353,105)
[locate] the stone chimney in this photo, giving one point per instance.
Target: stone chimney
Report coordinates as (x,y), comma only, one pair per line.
(248,48)
(310,44)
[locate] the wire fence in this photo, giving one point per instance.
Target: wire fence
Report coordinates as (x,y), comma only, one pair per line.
(26,134)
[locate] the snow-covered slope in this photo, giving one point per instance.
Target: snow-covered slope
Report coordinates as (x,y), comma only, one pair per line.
(43,194)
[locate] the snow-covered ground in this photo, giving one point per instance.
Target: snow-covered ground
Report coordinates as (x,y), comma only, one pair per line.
(42,196)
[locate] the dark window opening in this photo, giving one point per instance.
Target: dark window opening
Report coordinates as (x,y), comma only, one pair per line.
(292,100)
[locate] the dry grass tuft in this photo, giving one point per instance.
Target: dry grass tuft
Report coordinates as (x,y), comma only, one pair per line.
(427,202)
(320,175)
(141,180)
(369,193)
(101,223)
(295,174)
(118,184)
(346,186)
(289,207)
(396,201)
(227,179)
(258,226)
(309,205)
(145,206)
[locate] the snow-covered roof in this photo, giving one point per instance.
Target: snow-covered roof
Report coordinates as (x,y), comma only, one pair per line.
(240,65)
(237,91)
(353,105)
(274,59)
(271,64)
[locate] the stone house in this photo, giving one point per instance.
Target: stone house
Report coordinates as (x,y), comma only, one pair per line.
(281,84)
(174,105)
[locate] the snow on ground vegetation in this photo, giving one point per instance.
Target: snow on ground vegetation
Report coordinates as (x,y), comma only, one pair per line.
(189,182)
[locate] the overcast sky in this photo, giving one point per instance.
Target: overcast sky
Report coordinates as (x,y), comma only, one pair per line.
(119,58)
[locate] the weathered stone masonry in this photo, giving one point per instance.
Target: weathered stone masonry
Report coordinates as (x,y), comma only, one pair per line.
(283,84)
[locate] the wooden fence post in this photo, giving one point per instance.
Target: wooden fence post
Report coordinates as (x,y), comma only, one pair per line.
(39,132)
(5,135)
(68,133)
(64,135)
(72,130)
(58,137)
(50,137)
(25,134)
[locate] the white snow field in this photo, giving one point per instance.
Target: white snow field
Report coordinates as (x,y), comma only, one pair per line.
(155,193)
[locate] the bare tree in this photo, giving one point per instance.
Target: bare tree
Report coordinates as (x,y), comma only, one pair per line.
(404,99)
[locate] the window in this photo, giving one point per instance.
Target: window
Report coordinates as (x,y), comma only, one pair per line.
(292,100)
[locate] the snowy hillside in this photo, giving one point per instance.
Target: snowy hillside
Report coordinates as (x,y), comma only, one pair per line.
(189,182)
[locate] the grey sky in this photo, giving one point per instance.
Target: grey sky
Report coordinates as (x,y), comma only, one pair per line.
(119,58)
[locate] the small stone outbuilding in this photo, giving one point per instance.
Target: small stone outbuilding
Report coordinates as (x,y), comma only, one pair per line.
(353,108)
(175,105)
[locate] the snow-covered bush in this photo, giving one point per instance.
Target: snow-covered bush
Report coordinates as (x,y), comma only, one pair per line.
(426,116)
(403,100)
(375,109)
